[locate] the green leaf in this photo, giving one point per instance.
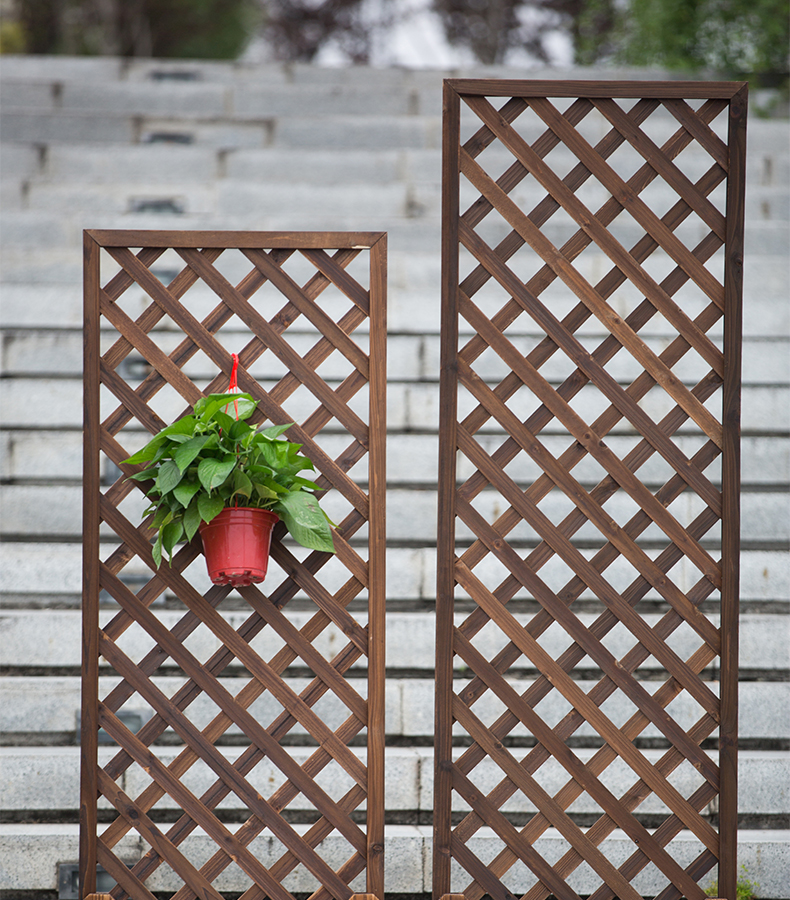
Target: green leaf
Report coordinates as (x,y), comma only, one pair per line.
(169,476)
(147,453)
(187,452)
(185,491)
(245,407)
(191,519)
(171,535)
(224,421)
(305,483)
(305,520)
(184,425)
(208,407)
(212,472)
(209,507)
(145,474)
(242,484)
(274,454)
(240,430)
(274,431)
(162,517)
(264,492)
(156,550)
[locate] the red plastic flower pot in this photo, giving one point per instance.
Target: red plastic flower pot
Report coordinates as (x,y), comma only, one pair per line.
(236,544)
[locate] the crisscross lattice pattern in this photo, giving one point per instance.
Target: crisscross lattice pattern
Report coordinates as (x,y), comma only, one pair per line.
(225,680)
(588,527)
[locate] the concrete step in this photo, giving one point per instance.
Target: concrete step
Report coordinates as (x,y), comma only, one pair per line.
(50,511)
(46,639)
(410,357)
(411,406)
(46,779)
(36,456)
(47,706)
(45,573)
(407,850)
(45,285)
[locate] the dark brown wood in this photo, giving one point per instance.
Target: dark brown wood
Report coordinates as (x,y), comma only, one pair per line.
(731,485)
(553,405)
(684,90)
(445,545)
(107,433)
(377,587)
(89,729)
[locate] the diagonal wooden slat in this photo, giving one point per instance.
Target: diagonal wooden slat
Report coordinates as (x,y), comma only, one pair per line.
(561,568)
(267,257)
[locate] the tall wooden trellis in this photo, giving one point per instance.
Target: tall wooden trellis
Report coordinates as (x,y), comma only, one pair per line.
(163,312)
(589,481)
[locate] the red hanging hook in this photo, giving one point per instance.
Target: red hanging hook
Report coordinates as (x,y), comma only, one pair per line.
(233,384)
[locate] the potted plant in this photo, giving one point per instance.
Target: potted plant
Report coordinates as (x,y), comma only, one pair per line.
(216,474)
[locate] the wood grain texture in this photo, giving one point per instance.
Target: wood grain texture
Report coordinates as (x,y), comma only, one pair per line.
(332,271)
(694,291)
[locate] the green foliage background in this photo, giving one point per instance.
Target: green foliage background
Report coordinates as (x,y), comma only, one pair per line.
(195,29)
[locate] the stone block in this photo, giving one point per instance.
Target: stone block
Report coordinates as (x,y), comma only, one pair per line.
(43,511)
(70,128)
(406,574)
(412,459)
(765,517)
(62,398)
(41,568)
(29,454)
(38,67)
(32,229)
(43,778)
(30,854)
(140,163)
(169,97)
(256,100)
(168,71)
(359,133)
(18,162)
(28,352)
(764,710)
(12,196)
(28,95)
(765,460)
(121,199)
(220,135)
(272,166)
(326,201)
(765,574)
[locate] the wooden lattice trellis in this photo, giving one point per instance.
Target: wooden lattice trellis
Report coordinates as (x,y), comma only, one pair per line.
(609,218)
(163,312)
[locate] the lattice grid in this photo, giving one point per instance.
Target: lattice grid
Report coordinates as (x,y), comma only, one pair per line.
(231,677)
(588,526)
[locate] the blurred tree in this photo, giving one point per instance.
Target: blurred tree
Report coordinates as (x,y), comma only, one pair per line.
(734,37)
(297,29)
(201,29)
(491,28)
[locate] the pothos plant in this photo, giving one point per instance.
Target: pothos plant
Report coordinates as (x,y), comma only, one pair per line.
(209,459)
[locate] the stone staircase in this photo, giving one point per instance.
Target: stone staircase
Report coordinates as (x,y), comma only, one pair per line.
(103,143)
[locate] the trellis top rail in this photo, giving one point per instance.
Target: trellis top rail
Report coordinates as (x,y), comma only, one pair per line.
(686,90)
(298,240)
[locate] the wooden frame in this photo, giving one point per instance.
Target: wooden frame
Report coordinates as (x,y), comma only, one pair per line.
(243,282)
(498,259)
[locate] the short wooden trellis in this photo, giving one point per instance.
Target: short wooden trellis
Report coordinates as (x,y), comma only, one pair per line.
(585,215)
(167,315)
